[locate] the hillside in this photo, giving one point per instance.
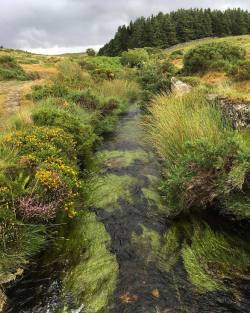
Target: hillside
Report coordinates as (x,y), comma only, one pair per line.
(224,85)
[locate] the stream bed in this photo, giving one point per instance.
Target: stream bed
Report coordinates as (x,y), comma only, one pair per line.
(129,267)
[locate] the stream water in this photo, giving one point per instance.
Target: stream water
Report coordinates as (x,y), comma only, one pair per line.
(135,223)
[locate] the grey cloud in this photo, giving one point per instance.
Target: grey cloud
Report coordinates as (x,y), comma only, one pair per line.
(71,23)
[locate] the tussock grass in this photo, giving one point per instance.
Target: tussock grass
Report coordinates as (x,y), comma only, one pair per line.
(120,88)
(175,120)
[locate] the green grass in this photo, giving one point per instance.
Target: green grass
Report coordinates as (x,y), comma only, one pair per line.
(176,120)
(240,41)
(11,70)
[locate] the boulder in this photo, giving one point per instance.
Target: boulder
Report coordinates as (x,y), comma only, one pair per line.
(179,87)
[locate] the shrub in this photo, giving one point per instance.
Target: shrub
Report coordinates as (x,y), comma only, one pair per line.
(48,91)
(91,52)
(32,210)
(45,177)
(71,123)
(155,78)
(10,69)
(71,75)
(216,56)
(86,99)
(135,57)
(206,162)
(177,54)
(241,71)
(38,143)
(101,67)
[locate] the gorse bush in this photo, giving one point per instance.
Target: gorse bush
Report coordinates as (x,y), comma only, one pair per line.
(47,91)
(213,56)
(71,122)
(155,78)
(135,58)
(10,69)
(102,67)
(241,71)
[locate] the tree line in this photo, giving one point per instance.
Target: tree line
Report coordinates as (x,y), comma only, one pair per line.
(165,30)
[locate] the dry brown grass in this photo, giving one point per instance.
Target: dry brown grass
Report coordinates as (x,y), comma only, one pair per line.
(44,71)
(178,63)
(214,77)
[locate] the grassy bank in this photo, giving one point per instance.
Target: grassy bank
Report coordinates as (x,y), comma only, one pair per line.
(45,148)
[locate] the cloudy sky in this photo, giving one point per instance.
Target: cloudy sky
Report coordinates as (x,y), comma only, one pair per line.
(56,26)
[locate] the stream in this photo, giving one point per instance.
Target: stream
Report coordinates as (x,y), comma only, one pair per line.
(129,209)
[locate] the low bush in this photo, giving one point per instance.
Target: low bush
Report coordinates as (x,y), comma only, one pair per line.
(86,99)
(102,67)
(10,69)
(71,75)
(135,58)
(91,52)
(72,123)
(212,56)
(177,54)
(48,91)
(241,71)
(155,78)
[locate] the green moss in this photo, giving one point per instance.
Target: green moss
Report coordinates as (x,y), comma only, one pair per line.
(118,158)
(92,277)
(106,191)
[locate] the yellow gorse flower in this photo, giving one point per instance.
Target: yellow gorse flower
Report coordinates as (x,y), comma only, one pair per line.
(49,179)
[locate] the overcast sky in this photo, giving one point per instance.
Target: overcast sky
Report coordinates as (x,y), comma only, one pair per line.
(55,26)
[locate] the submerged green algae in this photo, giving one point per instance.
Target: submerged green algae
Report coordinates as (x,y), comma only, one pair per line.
(92,275)
(122,159)
(211,258)
(106,191)
(164,252)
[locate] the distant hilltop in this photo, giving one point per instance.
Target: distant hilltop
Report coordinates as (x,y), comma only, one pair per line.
(166,30)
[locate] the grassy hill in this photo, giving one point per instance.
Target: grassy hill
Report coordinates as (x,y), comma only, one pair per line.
(224,85)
